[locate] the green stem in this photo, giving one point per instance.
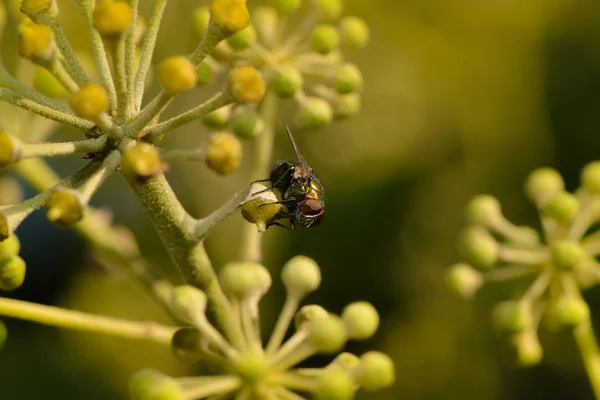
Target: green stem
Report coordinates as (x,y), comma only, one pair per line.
(69,319)
(110,163)
(130,53)
(205,225)
(251,238)
(30,150)
(117,48)
(217,385)
(182,155)
(283,322)
(63,44)
(58,70)
(590,354)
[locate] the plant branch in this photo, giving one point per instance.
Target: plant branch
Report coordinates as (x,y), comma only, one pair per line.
(117,49)
(205,225)
(130,53)
(110,163)
(30,150)
(182,155)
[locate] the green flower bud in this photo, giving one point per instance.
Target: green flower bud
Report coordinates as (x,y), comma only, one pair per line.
(251,367)
(45,83)
(90,101)
(300,276)
(314,113)
(187,342)
(329,9)
(9,149)
(483,210)
(463,280)
(188,304)
(355,32)
(262,208)
(200,20)
(529,350)
(479,248)
(223,153)
(230,15)
(334,384)
(347,105)
(112,17)
(5,229)
(217,119)
(286,82)
(590,177)
(141,162)
(10,190)
(567,255)
(376,371)
(12,273)
(327,334)
(266,22)
(347,361)
(510,317)
(64,207)
(568,312)
(3,334)
(204,74)
(284,6)
(242,39)
(36,42)
(177,74)
(564,207)
(149,384)
(324,39)
(246,84)
(361,320)
(307,314)
(246,123)
(348,79)
(34,7)
(9,247)
(243,279)
(542,185)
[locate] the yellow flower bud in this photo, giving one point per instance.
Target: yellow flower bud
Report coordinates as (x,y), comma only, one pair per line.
(32,7)
(223,153)
(141,162)
(12,273)
(247,84)
(90,101)
(112,18)
(260,209)
(64,207)
(36,42)
(9,149)
(177,74)
(230,15)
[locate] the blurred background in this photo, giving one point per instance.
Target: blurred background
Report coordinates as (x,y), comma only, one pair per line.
(461,97)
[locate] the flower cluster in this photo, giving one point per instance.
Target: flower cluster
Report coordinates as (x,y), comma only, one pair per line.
(557,264)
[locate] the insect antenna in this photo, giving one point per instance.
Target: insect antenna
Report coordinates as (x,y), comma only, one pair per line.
(300,158)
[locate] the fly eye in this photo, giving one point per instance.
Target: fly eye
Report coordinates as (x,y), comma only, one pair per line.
(311,207)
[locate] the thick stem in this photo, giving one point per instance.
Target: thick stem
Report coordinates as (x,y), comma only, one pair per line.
(130,55)
(117,48)
(590,354)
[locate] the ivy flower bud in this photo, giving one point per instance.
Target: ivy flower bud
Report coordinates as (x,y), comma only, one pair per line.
(187,341)
(348,79)
(177,74)
(200,20)
(251,367)
(12,273)
(464,280)
(5,229)
(327,334)
(361,320)
(529,350)
(510,317)
(9,149)
(246,123)
(242,279)
(188,304)
(334,384)
(3,334)
(242,39)
(568,312)
(9,247)
(347,105)
(590,177)
(286,82)
(308,314)
(149,384)
(355,32)
(45,83)
(284,6)
(563,207)
(246,84)
(204,74)
(542,185)
(223,153)
(567,255)
(347,361)
(260,209)
(111,17)
(230,15)
(479,248)
(217,118)
(64,207)
(315,112)
(89,101)
(33,7)
(329,9)
(10,190)
(483,210)
(300,276)
(36,42)
(376,371)
(141,161)
(324,39)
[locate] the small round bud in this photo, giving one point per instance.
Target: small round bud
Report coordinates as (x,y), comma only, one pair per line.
(3,334)
(242,279)
(246,123)
(230,15)
(187,342)
(347,105)
(376,371)
(5,230)
(36,42)
(334,384)
(45,83)
(348,79)
(300,275)
(9,247)
(542,185)
(355,32)
(590,177)
(327,334)
(223,153)
(148,384)
(242,39)
(262,208)
(111,17)
(284,6)
(188,303)
(11,191)
(251,367)
(12,273)
(347,361)
(361,320)
(217,119)
(308,314)
(33,7)
(567,255)
(266,21)
(315,112)
(510,317)
(177,74)
(483,210)
(9,149)
(324,39)
(90,101)
(246,84)
(286,82)
(204,74)
(329,9)
(463,280)
(200,20)
(562,208)
(479,248)
(64,207)
(529,350)
(141,161)
(568,312)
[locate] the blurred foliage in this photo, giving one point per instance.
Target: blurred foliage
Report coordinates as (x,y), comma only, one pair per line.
(461,97)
